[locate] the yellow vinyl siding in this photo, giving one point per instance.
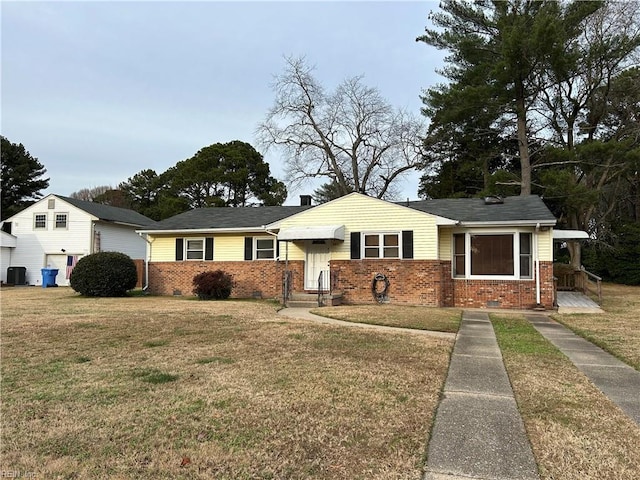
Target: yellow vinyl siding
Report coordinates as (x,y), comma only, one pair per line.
(296,251)
(359,213)
(163,249)
(225,247)
(228,248)
(545,245)
(444,244)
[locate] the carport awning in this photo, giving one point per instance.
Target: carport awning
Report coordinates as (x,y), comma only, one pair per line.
(325,232)
(570,235)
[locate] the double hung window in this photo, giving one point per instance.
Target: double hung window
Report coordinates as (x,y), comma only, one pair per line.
(40,221)
(194,248)
(381,245)
(61,220)
(265,248)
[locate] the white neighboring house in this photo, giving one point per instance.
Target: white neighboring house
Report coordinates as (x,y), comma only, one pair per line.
(56,231)
(7,245)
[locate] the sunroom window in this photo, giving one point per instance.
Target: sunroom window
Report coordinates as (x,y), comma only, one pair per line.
(492,255)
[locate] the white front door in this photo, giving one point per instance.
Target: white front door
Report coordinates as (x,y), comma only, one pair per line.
(317,260)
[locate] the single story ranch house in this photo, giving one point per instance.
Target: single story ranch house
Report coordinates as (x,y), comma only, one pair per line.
(489,252)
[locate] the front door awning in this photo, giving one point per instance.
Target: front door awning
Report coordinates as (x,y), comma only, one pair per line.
(325,232)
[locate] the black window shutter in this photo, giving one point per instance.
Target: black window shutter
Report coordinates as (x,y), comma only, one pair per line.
(248,248)
(407,244)
(208,248)
(277,248)
(355,245)
(179,249)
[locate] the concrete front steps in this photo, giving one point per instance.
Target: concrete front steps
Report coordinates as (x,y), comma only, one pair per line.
(310,300)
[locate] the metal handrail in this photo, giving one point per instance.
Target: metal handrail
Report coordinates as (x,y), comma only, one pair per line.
(286,286)
(320,288)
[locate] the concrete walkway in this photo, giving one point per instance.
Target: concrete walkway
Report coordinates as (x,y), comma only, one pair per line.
(616,379)
(304,314)
(478,432)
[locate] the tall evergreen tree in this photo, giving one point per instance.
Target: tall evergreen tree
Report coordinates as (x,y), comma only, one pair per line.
(497,52)
(21,178)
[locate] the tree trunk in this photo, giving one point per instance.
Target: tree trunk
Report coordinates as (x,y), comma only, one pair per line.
(574,247)
(575,252)
(523,142)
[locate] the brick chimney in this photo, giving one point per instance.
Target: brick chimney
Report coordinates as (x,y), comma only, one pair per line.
(305,200)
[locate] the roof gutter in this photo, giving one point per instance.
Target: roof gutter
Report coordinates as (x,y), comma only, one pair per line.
(203,230)
(519,223)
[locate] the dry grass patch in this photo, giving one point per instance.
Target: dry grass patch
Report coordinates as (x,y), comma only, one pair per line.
(576,433)
(421,318)
(618,329)
(164,387)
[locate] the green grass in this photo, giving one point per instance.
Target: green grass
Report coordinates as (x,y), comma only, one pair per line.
(519,337)
(576,433)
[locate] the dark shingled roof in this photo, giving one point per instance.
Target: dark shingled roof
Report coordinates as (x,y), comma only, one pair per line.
(227,217)
(514,209)
(109,213)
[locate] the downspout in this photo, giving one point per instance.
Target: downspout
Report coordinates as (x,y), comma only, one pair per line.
(146,261)
(537,262)
(275,239)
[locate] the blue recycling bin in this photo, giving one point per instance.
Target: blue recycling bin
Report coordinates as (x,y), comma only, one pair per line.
(49,277)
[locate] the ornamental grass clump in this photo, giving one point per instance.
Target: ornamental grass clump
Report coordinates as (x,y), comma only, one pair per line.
(214,285)
(104,274)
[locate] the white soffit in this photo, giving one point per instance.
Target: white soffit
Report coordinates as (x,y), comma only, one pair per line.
(570,235)
(325,232)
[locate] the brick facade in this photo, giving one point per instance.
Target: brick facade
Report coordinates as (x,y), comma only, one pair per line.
(417,282)
(251,279)
(429,282)
(513,294)
(411,282)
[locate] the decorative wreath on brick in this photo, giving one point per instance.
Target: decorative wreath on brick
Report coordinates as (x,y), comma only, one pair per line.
(379,287)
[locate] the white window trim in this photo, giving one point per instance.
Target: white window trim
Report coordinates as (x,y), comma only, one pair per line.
(516,255)
(256,249)
(186,250)
(55,221)
(380,245)
(46,221)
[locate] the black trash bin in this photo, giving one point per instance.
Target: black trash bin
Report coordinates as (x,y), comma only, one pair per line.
(16,275)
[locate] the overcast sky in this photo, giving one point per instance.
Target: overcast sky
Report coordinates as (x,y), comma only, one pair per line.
(99,91)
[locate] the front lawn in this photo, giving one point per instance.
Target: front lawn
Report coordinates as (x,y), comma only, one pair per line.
(405,316)
(166,387)
(575,431)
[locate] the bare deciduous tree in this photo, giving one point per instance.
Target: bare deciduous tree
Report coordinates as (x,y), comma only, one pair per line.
(352,137)
(89,194)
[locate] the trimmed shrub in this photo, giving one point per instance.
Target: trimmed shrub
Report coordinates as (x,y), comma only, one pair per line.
(212,285)
(104,274)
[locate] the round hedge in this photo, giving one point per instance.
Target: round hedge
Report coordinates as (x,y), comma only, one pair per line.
(213,285)
(104,274)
